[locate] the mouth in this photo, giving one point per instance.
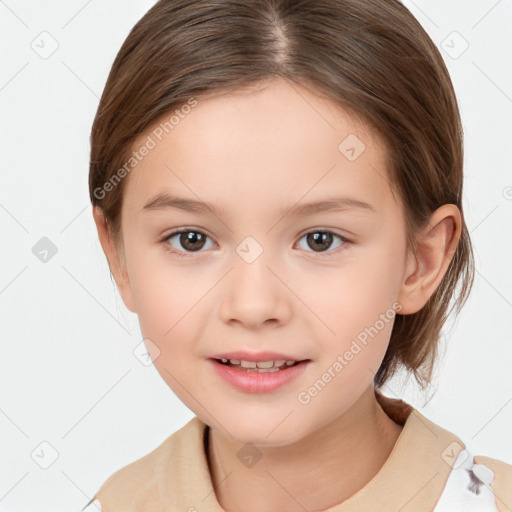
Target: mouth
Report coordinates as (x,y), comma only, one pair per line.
(259,366)
(258,376)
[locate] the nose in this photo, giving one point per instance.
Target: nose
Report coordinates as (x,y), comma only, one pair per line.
(254,295)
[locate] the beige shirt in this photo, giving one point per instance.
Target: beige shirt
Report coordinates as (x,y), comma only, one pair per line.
(429,470)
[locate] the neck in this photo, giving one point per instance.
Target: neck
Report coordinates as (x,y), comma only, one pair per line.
(319,471)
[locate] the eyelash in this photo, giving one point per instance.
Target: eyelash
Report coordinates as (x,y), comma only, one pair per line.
(326,254)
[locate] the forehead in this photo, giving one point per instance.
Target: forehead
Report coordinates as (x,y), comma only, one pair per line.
(266,145)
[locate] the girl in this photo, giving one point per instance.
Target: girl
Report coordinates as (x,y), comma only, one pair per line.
(311,151)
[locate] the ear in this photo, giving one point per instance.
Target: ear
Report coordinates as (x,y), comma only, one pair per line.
(115,258)
(426,267)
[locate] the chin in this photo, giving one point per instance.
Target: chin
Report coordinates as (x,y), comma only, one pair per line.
(265,432)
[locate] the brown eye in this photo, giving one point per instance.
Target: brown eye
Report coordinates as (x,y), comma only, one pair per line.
(192,240)
(188,240)
(321,241)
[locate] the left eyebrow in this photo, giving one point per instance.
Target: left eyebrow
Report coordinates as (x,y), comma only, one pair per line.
(163,201)
(338,204)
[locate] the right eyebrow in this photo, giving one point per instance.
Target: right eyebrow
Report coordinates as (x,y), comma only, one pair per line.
(162,201)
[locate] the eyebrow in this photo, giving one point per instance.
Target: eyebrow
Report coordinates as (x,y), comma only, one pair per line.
(163,201)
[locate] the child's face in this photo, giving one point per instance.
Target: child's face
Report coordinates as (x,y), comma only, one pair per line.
(255,156)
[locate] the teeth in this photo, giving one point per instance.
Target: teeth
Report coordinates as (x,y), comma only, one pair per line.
(263,365)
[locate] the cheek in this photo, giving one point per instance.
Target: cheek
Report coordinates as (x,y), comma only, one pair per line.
(353,295)
(358,304)
(167,294)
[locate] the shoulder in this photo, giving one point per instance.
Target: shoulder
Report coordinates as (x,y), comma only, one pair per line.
(136,484)
(468,481)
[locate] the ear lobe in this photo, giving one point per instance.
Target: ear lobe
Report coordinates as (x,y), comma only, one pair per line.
(426,268)
(115,258)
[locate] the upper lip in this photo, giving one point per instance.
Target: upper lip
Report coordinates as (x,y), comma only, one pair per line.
(256,356)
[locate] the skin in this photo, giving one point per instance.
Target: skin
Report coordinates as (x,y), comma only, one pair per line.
(254,154)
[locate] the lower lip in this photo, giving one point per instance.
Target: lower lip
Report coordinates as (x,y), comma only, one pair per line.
(256,382)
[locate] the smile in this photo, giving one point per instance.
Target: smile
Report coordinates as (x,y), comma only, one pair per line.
(257,366)
(254,379)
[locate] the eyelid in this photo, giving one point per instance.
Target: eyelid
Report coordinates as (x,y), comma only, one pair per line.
(177,231)
(329,253)
(186,229)
(322,229)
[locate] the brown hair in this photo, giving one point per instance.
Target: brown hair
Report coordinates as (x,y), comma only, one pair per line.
(371,57)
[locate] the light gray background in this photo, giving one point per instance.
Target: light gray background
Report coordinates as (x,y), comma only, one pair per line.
(68,374)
